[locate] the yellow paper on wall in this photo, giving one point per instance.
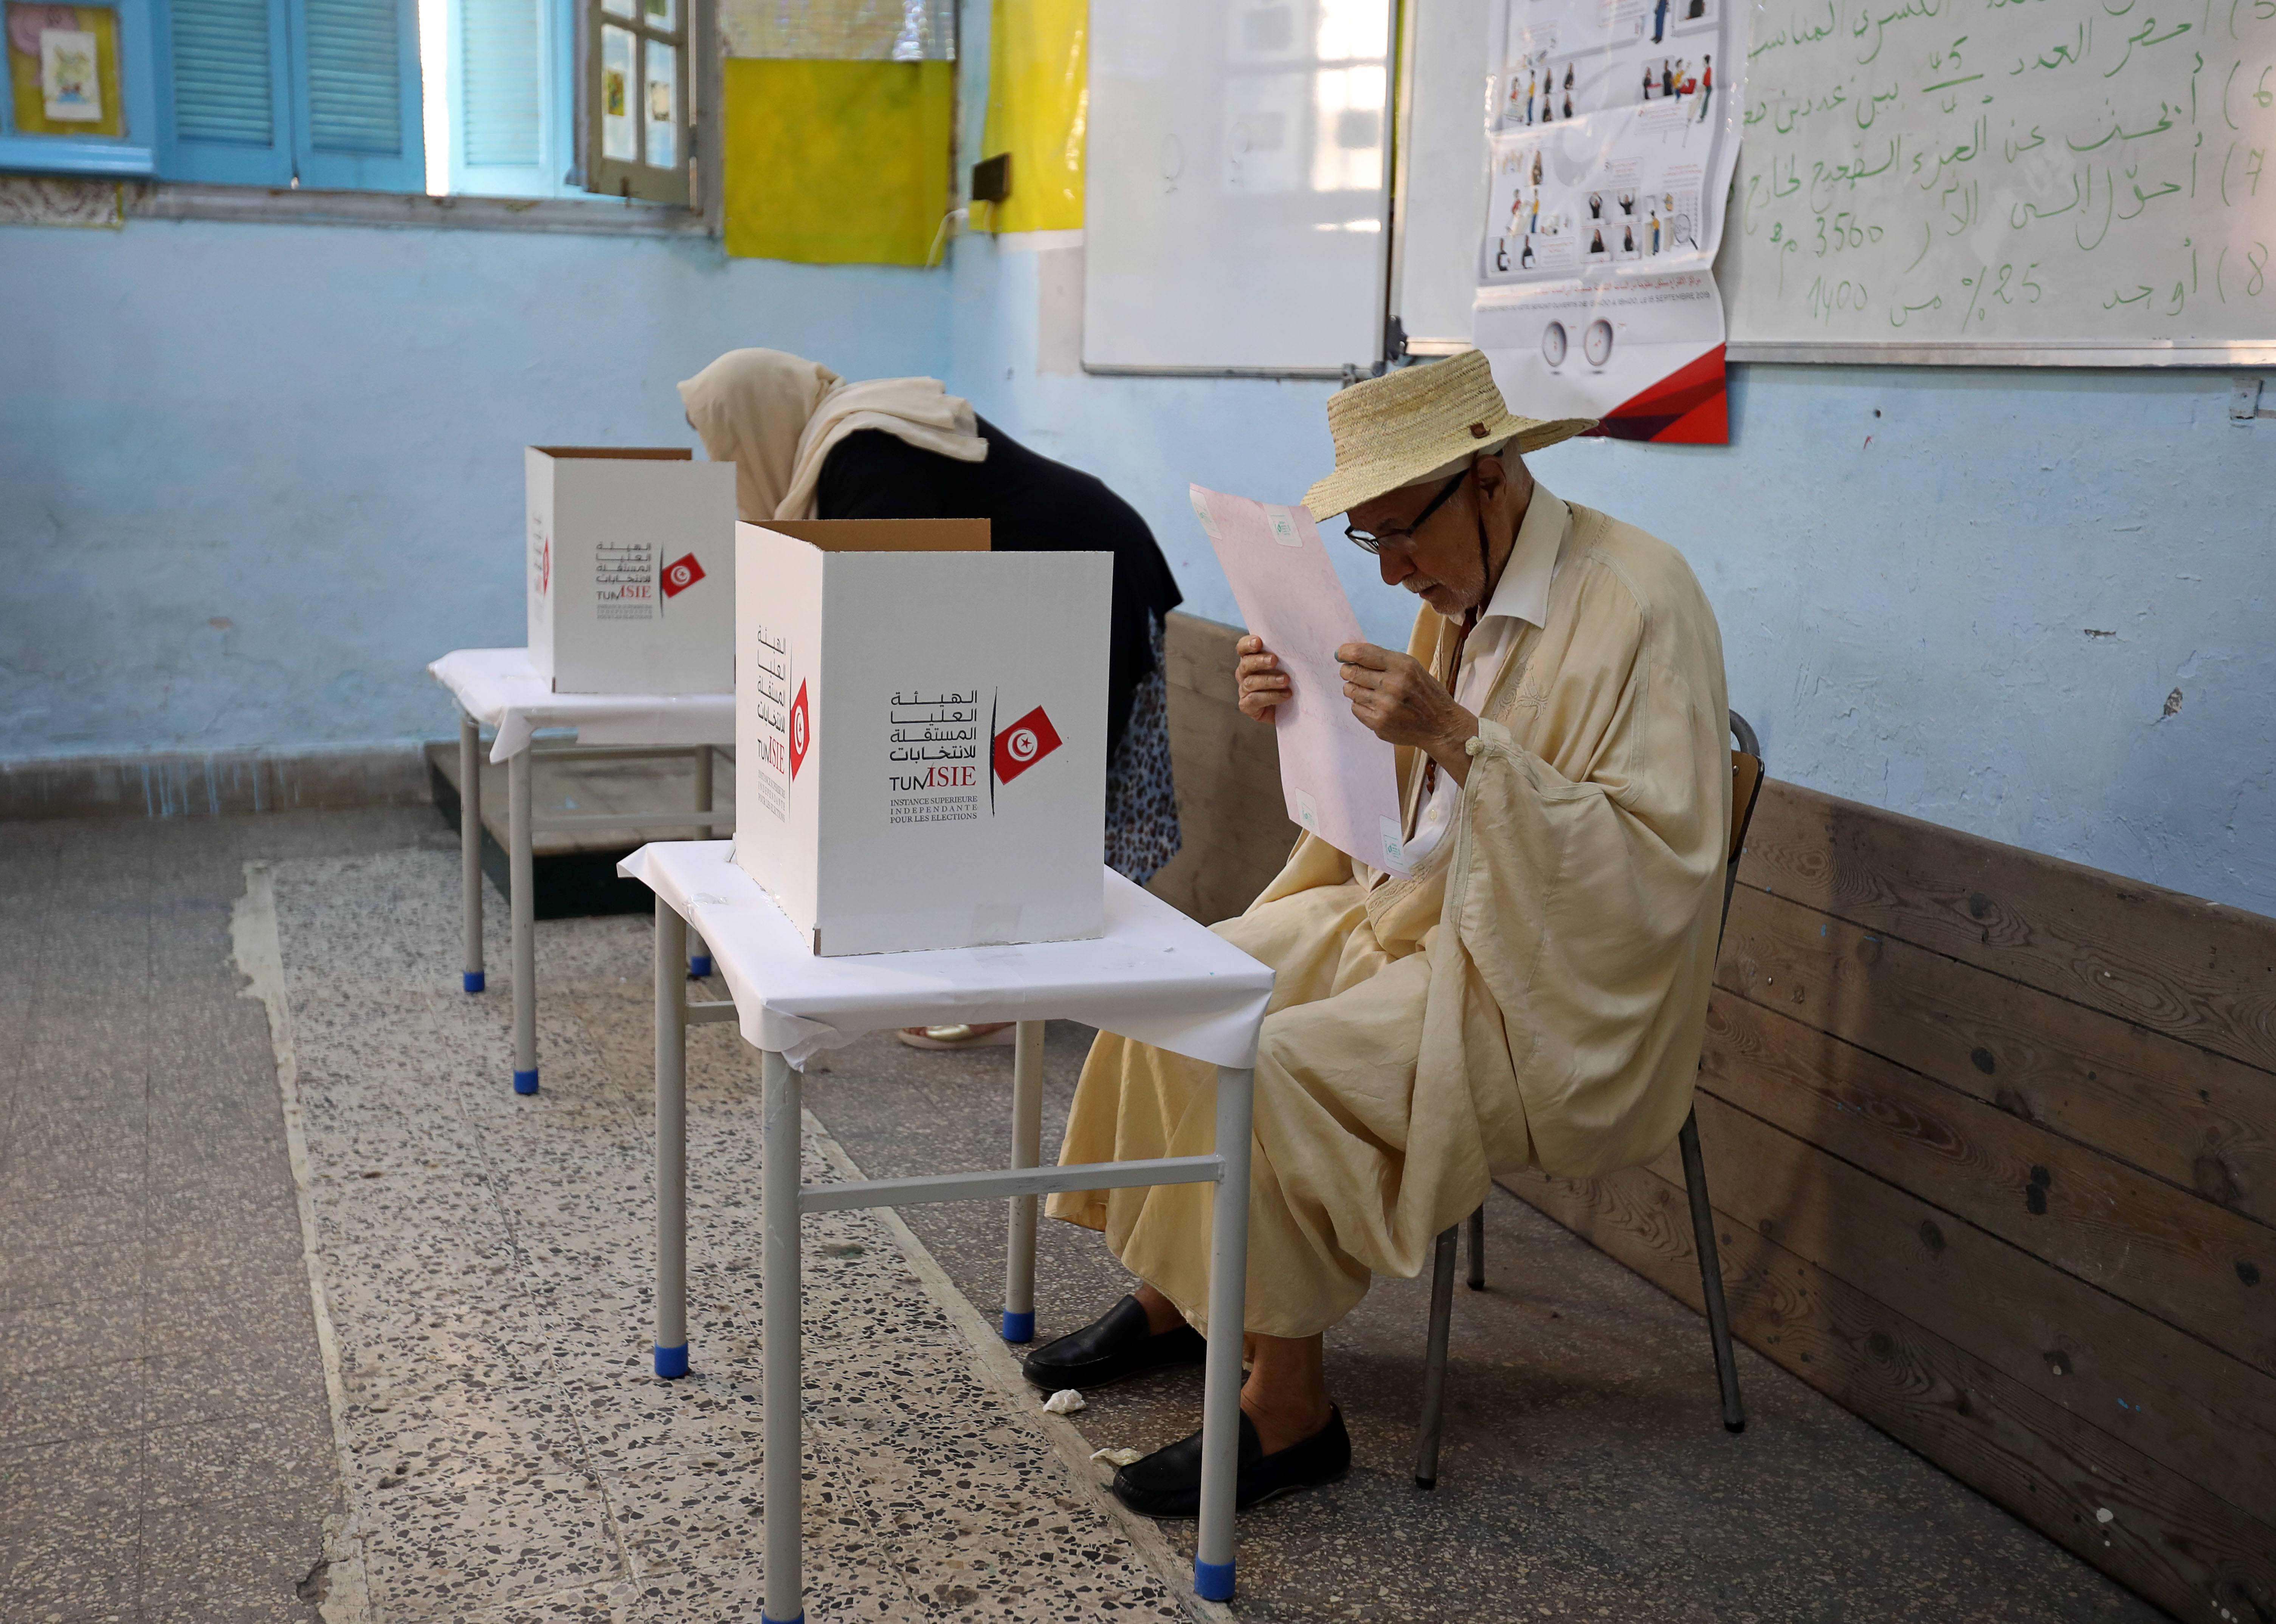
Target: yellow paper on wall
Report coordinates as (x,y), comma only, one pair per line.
(66,82)
(1039,105)
(836,162)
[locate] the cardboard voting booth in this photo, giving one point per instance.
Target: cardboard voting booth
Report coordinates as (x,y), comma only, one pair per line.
(921,733)
(631,569)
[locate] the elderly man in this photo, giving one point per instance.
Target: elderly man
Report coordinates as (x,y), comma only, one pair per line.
(1531,997)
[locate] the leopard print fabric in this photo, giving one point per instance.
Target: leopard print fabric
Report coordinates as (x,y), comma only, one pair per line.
(1141,803)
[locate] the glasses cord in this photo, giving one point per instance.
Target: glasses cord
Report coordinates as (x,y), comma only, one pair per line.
(1469,621)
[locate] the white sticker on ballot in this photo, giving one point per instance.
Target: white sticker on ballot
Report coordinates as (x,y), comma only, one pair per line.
(1283,524)
(1308,812)
(1394,848)
(1201,513)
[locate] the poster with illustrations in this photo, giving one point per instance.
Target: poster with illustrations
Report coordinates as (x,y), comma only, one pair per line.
(70,92)
(1614,128)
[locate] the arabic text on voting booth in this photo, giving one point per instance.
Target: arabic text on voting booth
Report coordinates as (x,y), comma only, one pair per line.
(921,733)
(631,569)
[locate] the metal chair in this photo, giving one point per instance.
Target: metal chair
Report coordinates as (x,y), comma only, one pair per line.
(1746,785)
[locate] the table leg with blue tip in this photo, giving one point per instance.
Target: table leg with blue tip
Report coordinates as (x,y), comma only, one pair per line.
(1027,1151)
(470,845)
(670,1144)
(784,1601)
(1228,1295)
(519,871)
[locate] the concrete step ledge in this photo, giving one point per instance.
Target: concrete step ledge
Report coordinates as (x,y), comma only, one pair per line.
(213,784)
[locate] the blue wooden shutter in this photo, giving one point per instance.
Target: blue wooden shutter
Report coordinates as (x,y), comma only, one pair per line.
(222,67)
(500,74)
(356,95)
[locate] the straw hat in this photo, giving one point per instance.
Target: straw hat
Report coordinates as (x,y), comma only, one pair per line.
(1401,428)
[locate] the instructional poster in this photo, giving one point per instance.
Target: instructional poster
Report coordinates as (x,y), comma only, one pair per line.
(1614,130)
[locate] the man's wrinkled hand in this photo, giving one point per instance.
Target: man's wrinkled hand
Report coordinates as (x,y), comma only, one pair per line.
(1263,685)
(1400,703)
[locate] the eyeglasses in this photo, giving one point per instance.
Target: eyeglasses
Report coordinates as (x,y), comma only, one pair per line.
(1398,535)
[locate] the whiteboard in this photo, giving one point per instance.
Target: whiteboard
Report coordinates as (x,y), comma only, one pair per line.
(1440,202)
(2030,181)
(1237,192)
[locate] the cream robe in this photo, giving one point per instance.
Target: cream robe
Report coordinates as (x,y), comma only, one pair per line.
(1533,997)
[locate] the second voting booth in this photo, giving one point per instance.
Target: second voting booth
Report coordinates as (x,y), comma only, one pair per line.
(921,733)
(631,569)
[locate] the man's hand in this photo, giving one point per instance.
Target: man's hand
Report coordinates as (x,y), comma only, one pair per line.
(1263,685)
(1400,703)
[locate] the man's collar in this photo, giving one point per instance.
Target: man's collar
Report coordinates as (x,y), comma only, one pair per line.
(1523,592)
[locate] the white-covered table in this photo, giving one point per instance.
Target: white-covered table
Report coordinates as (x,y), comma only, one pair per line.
(498,688)
(1155,975)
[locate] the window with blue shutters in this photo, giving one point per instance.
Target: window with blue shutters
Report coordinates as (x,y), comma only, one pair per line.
(323,94)
(509,96)
(524,98)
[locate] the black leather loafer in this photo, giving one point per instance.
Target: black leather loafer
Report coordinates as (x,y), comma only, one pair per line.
(1115,1345)
(1168,1483)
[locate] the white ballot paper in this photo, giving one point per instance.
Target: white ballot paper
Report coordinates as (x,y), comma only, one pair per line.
(1340,780)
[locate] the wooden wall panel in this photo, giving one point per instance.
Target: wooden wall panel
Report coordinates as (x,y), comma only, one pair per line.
(2146,1242)
(2152,1528)
(2191,969)
(2158,1390)
(1227,767)
(2195,1118)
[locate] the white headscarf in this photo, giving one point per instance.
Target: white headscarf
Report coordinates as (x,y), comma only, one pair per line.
(776,418)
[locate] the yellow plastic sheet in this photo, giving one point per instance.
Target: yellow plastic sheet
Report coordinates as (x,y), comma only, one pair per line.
(836,162)
(1038,104)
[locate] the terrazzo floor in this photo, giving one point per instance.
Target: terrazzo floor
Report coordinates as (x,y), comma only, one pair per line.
(487,1262)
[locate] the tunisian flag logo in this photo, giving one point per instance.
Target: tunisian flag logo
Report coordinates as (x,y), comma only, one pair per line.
(1023,743)
(680,576)
(800,733)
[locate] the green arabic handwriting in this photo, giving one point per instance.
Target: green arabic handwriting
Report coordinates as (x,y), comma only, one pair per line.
(2063,56)
(2142,199)
(1850,171)
(2149,36)
(2024,213)
(1970,194)
(2119,131)
(1966,152)
(1879,22)
(2110,199)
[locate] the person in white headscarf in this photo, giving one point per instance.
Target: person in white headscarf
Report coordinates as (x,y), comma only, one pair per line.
(778,418)
(808,444)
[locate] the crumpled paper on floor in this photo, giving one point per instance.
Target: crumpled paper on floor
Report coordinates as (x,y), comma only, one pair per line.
(1066,1402)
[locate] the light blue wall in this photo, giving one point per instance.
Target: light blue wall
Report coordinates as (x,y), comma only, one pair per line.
(313,433)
